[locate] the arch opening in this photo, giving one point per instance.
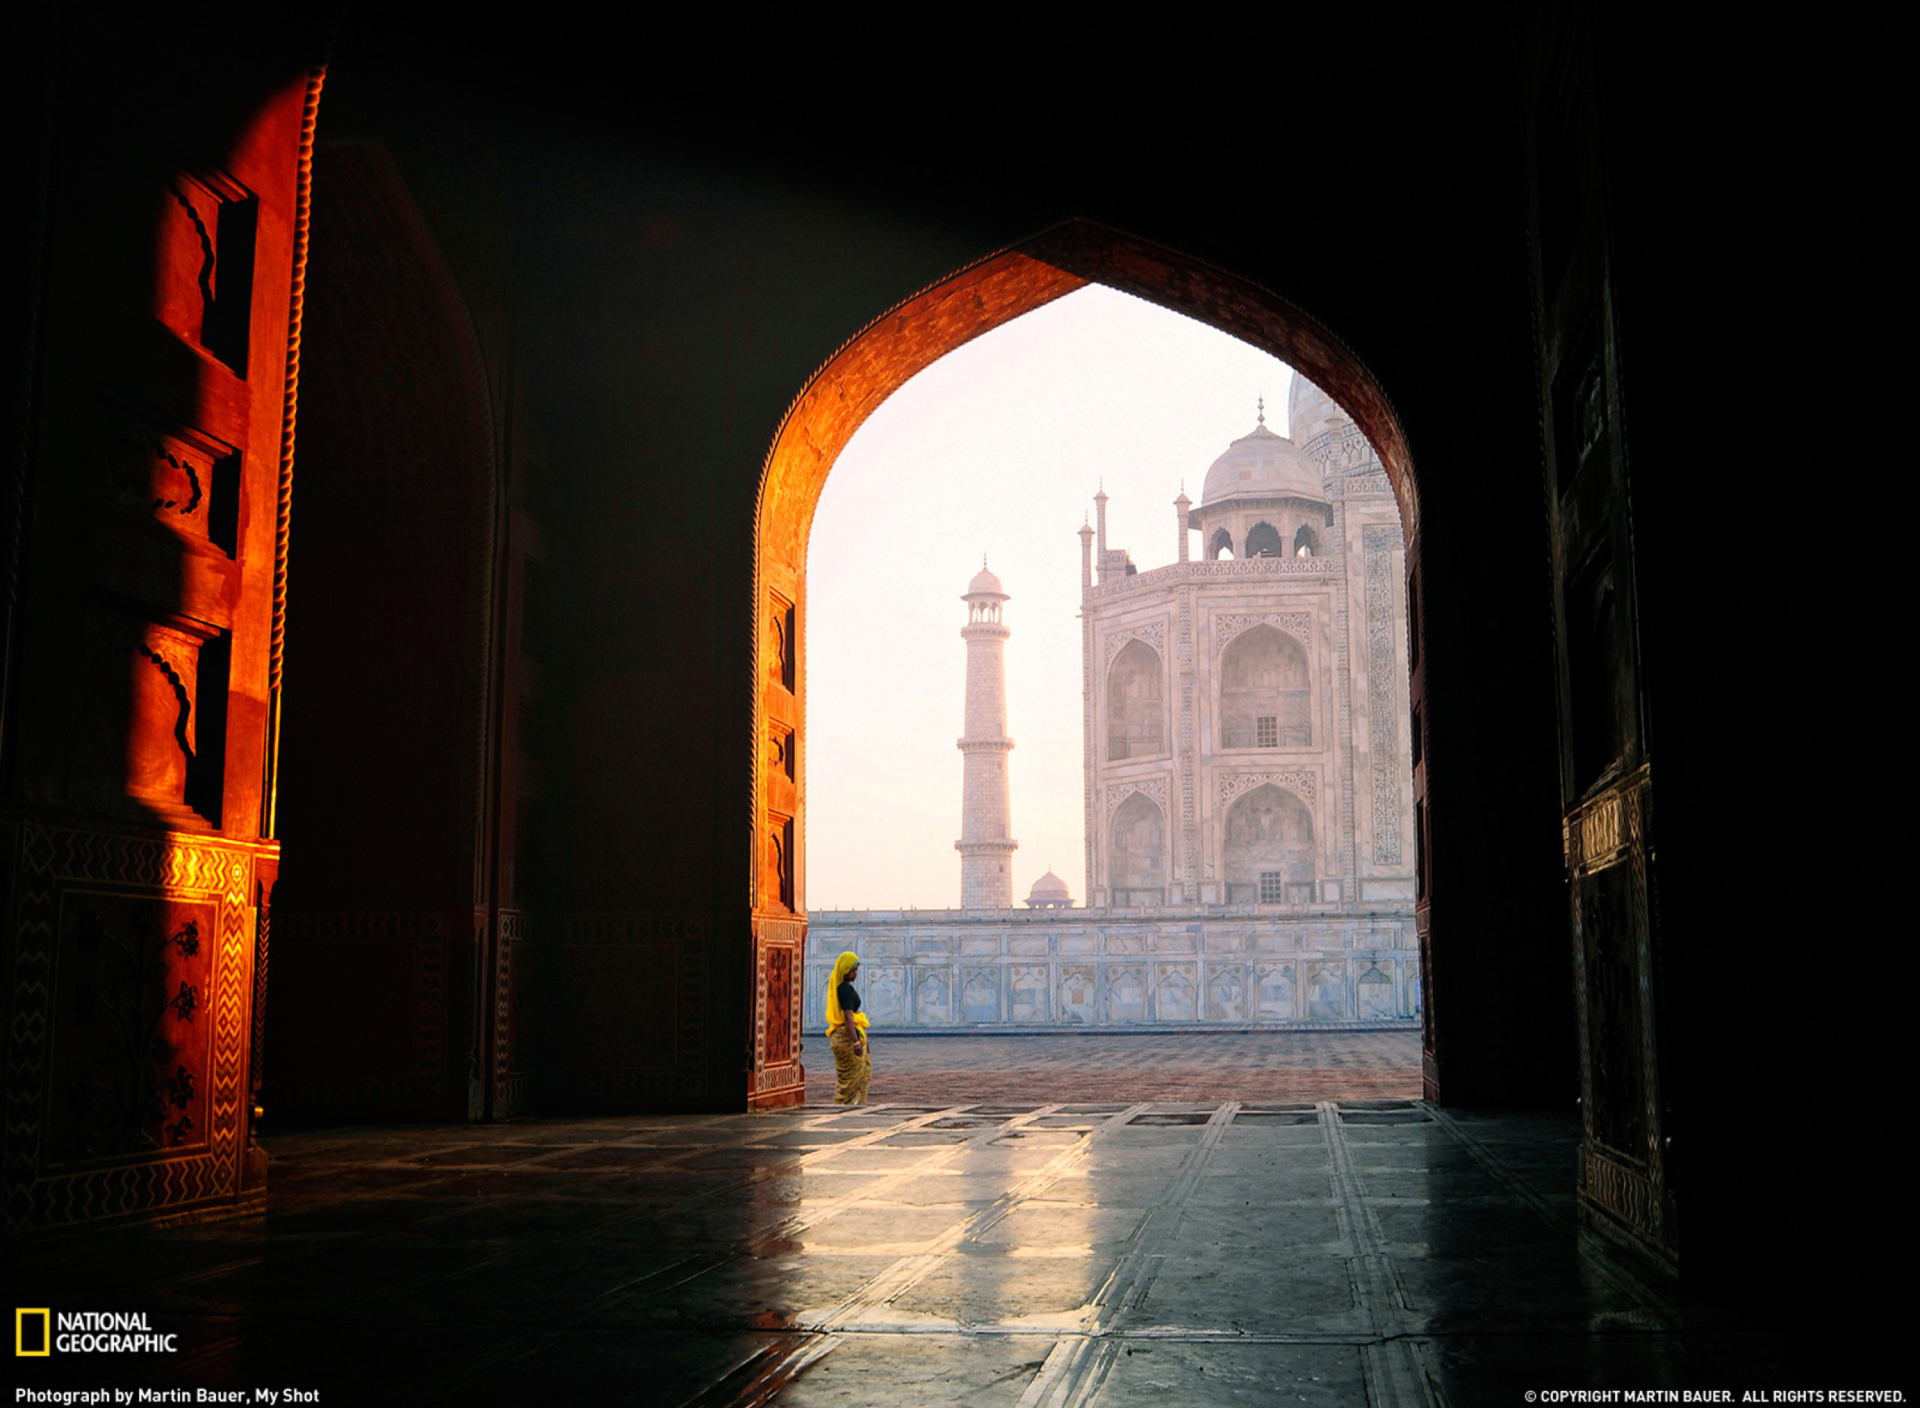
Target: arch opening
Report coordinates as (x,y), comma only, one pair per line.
(1263,540)
(858,379)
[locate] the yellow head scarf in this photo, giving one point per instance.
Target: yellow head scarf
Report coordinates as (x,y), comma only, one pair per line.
(842,966)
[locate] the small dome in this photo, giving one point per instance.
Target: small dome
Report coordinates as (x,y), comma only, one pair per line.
(1050,891)
(984,583)
(1262,465)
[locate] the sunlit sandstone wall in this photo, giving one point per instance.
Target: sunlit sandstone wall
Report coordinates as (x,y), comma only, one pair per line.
(1188,965)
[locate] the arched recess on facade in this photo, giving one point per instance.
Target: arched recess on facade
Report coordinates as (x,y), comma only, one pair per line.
(1137,851)
(1267,848)
(1263,540)
(880,359)
(1136,704)
(1221,545)
(1266,694)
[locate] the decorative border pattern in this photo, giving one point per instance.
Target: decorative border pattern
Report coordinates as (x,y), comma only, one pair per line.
(1154,634)
(1340,450)
(1379,542)
(1627,1196)
(1301,784)
(512,1084)
(47,861)
(1231,567)
(1185,756)
(1298,624)
(774,1072)
(1347,845)
(1614,829)
(1154,787)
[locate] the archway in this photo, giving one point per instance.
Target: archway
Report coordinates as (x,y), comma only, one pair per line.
(839,397)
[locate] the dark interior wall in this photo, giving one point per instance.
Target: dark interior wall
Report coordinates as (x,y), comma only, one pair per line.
(1759,284)
(381,759)
(678,235)
(684,259)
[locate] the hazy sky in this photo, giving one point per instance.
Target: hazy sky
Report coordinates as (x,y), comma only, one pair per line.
(997,448)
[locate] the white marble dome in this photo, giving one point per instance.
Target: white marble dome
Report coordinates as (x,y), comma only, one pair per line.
(1262,465)
(984,583)
(1049,890)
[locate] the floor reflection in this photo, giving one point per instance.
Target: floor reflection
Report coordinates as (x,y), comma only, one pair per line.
(1095,1253)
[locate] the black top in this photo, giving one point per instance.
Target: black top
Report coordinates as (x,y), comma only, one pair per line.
(849,999)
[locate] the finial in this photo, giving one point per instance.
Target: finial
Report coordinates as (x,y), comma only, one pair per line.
(1262,403)
(983,562)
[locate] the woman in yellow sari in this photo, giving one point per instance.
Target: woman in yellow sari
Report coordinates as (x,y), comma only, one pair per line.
(847,1033)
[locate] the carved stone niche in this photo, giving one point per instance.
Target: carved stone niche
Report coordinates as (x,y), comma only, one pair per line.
(180,480)
(203,274)
(144,731)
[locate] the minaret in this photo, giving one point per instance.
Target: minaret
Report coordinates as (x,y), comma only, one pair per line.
(1100,533)
(986,852)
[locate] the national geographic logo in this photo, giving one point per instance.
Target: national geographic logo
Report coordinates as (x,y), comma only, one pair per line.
(40,1333)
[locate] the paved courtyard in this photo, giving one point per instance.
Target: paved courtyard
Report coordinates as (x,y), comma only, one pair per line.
(1186,1065)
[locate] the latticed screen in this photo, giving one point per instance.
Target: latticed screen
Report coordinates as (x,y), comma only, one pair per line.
(1267,731)
(1273,887)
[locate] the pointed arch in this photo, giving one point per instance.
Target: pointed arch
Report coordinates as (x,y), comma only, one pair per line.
(1266,694)
(1263,540)
(1267,855)
(880,359)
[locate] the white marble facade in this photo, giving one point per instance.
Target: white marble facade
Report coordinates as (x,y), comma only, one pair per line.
(1248,777)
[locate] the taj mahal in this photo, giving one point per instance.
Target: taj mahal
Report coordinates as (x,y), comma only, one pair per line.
(1247,760)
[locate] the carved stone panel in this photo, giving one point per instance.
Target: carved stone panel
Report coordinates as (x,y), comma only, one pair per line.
(1027,993)
(1275,991)
(933,995)
(1126,993)
(1079,994)
(1326,993)
(127,1051)
(1373,995)
(1176,992)
(1227,993)
(980,994)
(133,1031)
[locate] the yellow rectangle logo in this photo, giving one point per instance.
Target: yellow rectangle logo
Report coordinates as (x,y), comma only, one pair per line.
(45,1337)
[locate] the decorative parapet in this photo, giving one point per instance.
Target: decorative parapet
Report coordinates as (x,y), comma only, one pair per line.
(1174,966)
(1179,572)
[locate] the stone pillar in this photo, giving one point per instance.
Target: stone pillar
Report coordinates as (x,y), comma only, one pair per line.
(1181,508)
(986,850)
(1086,556)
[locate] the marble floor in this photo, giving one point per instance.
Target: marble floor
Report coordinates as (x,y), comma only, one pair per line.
(1036,1252)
